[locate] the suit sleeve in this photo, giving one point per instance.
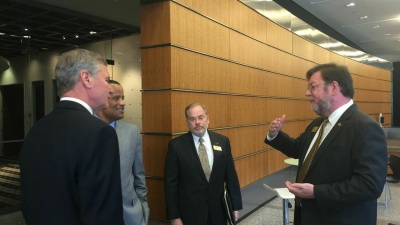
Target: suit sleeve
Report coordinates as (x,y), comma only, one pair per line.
(99,179)
(139,174)
(171,171)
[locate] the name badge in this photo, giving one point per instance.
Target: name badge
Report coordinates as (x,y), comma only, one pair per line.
(217,148)
(314,129)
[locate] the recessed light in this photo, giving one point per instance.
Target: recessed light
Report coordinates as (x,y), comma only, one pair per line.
(2,33)
(388,34)
(351,4)
(63,37)
(26,36)
(26,29)
(375,27)
(92,32)
(45,49)
(76,36)
(363,17)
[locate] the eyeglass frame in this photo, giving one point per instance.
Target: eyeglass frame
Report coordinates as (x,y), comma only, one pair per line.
(312,86)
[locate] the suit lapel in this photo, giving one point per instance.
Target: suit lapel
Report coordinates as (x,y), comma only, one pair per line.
(340,124)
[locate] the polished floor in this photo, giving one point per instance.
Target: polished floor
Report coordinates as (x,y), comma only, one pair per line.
(270,213)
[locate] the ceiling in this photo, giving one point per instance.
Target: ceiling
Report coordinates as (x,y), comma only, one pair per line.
(34,26)
(48,21)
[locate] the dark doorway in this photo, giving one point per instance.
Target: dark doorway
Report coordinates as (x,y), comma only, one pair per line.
(13,119)
(37,100)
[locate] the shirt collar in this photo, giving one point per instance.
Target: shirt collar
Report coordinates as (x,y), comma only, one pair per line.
(84,104)
(334,117)
(205,137)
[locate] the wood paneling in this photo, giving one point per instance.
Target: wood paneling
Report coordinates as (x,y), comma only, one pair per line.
(321,55)
(154,152)
(156,199)
(248,21)
(211,9)
(303,48)
(155,23)
(194,71)
(198,33)
(279,37)
(156,65)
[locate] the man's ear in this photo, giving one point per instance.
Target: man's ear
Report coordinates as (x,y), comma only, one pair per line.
(86,78)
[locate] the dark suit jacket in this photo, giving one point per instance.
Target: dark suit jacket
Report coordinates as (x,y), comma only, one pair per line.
(188,194)
(70,170)
(348,170)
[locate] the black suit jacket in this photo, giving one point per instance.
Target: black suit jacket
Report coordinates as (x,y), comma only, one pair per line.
(70,170)
(188,194)
(348,171)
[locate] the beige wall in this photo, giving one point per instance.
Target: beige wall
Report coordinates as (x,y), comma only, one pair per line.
(127,69)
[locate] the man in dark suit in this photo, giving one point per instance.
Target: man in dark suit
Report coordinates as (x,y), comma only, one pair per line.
(197,166)
(69,161)
(339,181)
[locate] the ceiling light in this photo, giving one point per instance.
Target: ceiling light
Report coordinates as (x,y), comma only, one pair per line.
(26,29)
(76,36)
(351,4)
(93,32)
(2,33)
(26,36)
(363,17)
(63,37)
(375,27)
(388,34)
(45,49)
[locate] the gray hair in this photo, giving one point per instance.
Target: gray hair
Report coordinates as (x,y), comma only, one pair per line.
(71,63)
(194,105)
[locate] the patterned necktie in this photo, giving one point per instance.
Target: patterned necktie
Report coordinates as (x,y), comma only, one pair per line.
(307,162)
(204,159)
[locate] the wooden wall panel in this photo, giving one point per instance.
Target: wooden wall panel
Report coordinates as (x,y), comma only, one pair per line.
(248,21)
(301,66)
(156,199)
(156,64)
(205,36)
(156,115)
(248,140)
(321,55)
(155,16)
(211,9)
(154,152)
(194,71)
(372,96)
(302,48)
(279,37)
(336,58)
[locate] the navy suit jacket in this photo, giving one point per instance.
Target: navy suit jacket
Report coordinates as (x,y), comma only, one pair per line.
(188,194)
(70,170)
(348,170)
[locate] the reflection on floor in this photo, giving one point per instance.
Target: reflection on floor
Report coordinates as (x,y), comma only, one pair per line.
(271,212)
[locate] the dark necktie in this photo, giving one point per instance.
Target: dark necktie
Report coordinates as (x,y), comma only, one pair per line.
(204,159)
(307,162)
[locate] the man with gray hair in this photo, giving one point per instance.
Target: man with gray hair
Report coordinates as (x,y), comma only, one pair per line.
(70,161)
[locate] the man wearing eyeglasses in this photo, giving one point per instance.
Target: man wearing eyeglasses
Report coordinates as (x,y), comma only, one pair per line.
(342,154)
(197,166)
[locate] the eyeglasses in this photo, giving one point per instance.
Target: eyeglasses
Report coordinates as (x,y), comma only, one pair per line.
(312,86)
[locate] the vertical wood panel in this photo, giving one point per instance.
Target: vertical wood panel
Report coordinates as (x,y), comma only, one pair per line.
(198,33)
(279,37)
(156,65)
(302,48)
(155,23)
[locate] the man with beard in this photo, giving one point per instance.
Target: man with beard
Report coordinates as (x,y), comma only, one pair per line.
(133,180)
(342,154)
(197,166)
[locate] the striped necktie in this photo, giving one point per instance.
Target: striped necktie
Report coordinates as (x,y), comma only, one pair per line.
(204,159)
